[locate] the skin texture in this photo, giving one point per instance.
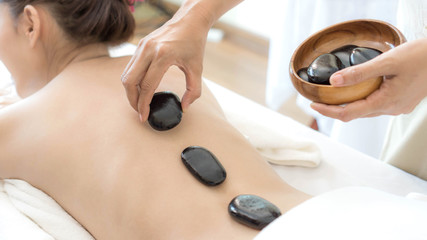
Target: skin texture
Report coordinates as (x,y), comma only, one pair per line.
(404,86)
(75,137)
(180,42)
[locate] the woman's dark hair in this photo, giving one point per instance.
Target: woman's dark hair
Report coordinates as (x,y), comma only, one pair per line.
(87,21)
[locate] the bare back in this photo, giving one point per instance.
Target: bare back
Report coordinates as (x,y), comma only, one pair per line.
(78,140)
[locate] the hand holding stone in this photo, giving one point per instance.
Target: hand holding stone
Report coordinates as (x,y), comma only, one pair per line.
(178,43)
(404,85)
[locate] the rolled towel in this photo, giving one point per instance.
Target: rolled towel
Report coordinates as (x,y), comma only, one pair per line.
(43,210)
(15,225)
(266,131)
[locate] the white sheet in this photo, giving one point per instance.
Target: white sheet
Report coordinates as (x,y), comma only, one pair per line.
(352,213)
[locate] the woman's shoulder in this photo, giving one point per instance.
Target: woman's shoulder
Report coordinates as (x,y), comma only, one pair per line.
(9,121)
(10,116)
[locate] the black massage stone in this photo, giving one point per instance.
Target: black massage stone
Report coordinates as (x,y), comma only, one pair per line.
(361,55)
(343,53)
(203,165)
(165,111)
(322,68)
(253,211)
(302,73)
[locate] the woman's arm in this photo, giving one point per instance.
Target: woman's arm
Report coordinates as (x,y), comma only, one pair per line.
(4,154)
(181,42)
(404,86)
(11,142)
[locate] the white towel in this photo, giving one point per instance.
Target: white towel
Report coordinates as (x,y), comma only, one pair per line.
(265,130)
(14,224)
(31,214)
(351,213)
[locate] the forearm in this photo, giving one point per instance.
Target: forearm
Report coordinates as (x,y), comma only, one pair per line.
(205,12)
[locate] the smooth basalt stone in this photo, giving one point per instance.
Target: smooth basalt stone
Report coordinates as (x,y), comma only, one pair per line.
(253,211)
(203,165)
(343,53)
(165,111)
(322,68)
(361,55)
(302,73)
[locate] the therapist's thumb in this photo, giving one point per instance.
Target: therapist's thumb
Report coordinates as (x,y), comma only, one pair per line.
(356,74)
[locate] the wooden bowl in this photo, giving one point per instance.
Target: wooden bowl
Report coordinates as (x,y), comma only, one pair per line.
(363,33)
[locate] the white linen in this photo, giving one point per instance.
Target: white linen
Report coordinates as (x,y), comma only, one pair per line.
(251,119)
(417,196)
(351,213)
(44,211)
(14,224)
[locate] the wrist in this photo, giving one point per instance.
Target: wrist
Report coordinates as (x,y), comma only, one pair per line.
(193,12)
(205,12)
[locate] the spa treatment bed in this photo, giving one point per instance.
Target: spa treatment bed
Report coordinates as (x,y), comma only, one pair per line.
(304,158)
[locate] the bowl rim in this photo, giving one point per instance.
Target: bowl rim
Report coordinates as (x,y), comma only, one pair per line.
(294,72)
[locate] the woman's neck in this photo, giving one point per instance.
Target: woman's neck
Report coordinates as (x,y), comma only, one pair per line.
(58,59)
(61,61)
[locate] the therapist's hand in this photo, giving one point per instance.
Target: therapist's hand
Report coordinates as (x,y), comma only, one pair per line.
(404,85)
(180,43)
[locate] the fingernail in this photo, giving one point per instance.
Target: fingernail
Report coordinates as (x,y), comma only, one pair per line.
(140,118)
(337,80)
(184,106)
(146,116)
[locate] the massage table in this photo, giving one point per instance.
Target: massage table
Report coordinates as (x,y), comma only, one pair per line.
(304,158)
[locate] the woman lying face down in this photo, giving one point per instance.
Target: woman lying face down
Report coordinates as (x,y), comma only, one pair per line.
(75,137)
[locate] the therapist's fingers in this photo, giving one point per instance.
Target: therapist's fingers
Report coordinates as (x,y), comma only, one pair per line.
(148,86)
(379,66)
(193,86)
(131,86)
(133,74)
